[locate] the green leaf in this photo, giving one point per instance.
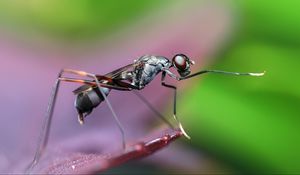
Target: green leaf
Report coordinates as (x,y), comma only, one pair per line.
(251,122)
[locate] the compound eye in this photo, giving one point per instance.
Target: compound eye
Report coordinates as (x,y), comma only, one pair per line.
(180,61)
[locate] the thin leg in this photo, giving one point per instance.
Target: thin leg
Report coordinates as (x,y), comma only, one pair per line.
(174,104)
(113,113)
(45,130)
(93,83)
(82,73)
(221,72)
(158,114)
(44,133)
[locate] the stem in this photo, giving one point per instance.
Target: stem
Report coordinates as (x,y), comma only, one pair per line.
(93,163)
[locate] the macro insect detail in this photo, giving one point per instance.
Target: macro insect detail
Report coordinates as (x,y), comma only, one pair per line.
(88,98)
(95,89)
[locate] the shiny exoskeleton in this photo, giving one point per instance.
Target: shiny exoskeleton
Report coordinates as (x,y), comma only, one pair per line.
(131,77)
(87,100)
(143,71)
(147,68)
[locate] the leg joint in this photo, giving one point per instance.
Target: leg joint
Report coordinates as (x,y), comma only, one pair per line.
(168,86)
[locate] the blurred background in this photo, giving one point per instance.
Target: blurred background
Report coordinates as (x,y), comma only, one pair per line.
(237,124)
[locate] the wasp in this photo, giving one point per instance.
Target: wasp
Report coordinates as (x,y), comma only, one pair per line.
(95,89)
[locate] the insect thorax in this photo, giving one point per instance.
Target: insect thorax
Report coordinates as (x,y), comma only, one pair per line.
(148,67)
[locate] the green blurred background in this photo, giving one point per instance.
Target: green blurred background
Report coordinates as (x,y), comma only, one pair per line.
(254,123)
(245,124)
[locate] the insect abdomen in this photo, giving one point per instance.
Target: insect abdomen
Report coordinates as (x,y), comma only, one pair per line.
(87,100)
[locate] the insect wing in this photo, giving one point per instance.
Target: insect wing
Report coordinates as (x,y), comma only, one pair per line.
(108,80)
(81,89)
(117,73)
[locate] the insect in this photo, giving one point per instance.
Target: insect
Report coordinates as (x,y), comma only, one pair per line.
(132,77)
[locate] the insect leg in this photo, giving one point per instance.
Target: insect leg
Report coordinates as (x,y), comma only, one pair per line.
(113,112)
(45,130)
(82,73)
(221,72)
(174,104)
(44,133)
(158,114)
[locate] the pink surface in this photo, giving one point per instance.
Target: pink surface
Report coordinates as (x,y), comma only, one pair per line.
(29,68)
